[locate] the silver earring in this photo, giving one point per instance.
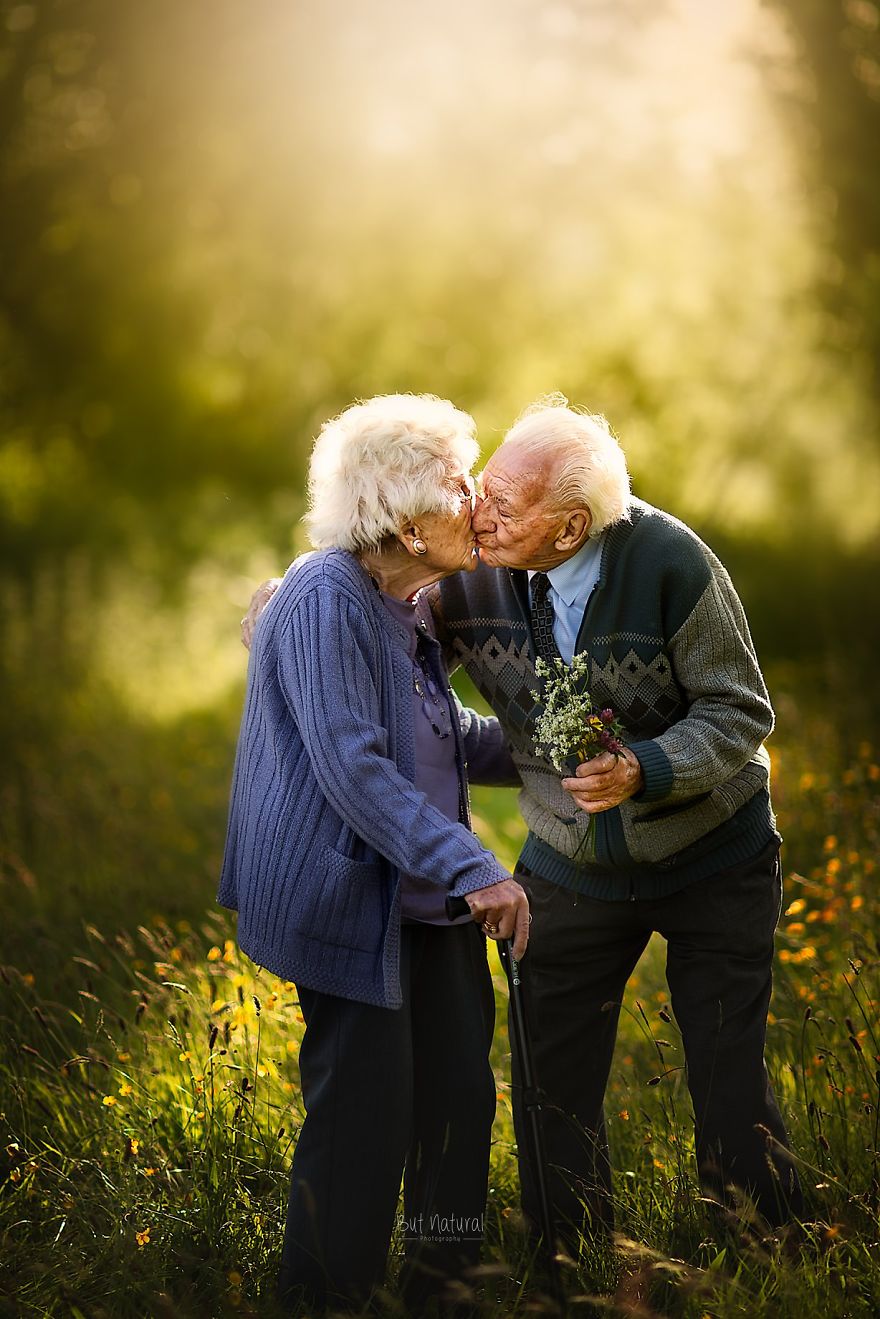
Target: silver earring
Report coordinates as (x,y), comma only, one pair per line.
(419,546)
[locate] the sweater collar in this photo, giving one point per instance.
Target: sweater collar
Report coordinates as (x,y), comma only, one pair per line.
(367,588)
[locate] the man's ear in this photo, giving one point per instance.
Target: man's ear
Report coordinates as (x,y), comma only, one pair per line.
(574,530)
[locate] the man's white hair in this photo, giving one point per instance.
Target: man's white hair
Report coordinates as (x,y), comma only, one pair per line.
(383,463)
(591,467)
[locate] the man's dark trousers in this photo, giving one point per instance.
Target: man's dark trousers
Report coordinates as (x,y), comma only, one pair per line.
(719,934)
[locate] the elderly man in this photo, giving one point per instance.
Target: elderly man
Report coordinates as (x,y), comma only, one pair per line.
(675,835)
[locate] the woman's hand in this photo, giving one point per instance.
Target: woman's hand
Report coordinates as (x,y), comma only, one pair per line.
(260,598)
(503,911)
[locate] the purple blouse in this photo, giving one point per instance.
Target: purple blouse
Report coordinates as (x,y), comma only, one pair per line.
(436,770)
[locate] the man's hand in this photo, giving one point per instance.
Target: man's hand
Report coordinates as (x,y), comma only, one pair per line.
(260,598)
(605,781)
(503,911)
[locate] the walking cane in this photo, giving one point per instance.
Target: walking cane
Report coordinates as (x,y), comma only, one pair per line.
(532,1099)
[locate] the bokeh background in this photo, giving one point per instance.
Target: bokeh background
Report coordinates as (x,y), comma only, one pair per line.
(220,222)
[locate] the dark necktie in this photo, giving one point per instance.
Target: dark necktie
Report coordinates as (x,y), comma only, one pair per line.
(542,618)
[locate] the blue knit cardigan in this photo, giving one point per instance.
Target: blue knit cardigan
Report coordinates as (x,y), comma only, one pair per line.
(323,814)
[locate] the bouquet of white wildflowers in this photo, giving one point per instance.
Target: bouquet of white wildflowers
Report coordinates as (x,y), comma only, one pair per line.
(569,731)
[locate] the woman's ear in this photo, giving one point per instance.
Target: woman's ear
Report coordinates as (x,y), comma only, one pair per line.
(412,540)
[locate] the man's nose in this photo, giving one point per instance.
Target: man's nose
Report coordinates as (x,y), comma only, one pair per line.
(480,519)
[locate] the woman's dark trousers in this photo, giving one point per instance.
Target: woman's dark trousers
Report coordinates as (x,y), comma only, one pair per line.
(719,935)
(383,1088)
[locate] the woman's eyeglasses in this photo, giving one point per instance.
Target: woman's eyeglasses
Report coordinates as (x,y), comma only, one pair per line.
(466,488)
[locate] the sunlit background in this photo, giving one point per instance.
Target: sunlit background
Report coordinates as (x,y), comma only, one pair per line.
(222,222)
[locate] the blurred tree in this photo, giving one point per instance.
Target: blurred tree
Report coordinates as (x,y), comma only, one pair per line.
(129,376)
(833,88)
(221,222)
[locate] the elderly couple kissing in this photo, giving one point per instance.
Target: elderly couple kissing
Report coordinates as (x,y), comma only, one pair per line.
(349,828)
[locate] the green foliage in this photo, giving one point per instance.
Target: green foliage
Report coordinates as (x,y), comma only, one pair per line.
(202,260)
(217,228)
(150,1106)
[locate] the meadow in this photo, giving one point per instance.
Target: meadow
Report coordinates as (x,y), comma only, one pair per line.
(149,1081)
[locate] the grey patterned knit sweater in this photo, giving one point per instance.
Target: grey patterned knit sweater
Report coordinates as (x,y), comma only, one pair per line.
(670,651)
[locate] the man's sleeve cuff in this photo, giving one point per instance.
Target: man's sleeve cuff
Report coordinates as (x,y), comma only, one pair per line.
(656,770)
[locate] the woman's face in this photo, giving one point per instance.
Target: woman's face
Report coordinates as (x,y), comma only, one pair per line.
(449,536)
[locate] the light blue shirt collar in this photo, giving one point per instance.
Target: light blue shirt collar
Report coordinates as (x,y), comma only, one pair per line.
(569,580)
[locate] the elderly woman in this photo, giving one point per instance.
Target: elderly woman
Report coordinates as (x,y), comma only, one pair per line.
(348,829)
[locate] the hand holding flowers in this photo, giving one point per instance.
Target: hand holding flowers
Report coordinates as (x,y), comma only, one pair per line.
(605,781)
(602,772)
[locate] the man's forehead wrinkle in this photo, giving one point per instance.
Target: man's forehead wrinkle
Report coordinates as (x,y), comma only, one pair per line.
(521,483)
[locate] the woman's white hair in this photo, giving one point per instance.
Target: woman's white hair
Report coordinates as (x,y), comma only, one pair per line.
(591,467)
(382,464)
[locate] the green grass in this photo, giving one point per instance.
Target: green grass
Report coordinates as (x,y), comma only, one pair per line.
(148,1079)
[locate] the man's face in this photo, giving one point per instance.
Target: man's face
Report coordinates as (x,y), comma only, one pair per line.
(513,520)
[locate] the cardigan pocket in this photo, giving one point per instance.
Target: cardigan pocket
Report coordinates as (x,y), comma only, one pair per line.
(346,904)
(666,812)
